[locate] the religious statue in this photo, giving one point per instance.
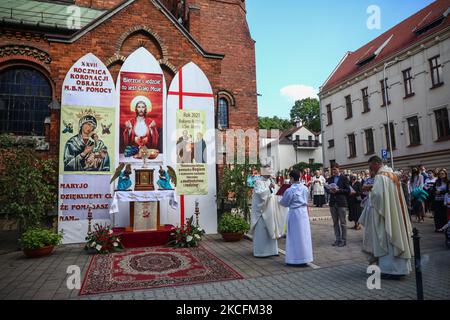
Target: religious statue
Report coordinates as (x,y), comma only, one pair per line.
(124,177)
(164,179)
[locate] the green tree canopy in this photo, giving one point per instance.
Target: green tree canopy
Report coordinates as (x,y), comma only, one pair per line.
(274,123)
(308,112)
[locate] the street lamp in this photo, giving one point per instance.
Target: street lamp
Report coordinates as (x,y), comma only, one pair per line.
(386,65)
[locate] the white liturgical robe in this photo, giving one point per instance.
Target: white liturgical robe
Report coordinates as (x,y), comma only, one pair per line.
(268,219)
(298,235)
(387,226)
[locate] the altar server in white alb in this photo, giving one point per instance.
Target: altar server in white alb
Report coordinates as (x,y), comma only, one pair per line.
(298,236)
(267,216)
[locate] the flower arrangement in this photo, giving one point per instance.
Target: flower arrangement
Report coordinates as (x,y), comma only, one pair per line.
(187,236)
(103,240)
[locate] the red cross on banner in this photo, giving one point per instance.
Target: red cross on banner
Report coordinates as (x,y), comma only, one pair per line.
(181,94)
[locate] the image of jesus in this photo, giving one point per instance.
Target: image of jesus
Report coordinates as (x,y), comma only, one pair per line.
(140,131)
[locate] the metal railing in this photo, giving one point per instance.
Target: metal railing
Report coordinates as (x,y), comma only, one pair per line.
(306,143)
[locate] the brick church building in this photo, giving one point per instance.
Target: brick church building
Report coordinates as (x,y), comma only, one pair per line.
(40,40)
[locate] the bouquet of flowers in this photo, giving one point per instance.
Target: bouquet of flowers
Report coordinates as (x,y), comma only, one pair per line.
(187,236)
(103,240)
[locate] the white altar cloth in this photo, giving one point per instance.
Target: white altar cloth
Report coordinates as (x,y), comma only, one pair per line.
(143,196)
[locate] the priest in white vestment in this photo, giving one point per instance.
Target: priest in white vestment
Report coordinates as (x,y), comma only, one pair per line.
(387,226)
(298,236)
(268,218)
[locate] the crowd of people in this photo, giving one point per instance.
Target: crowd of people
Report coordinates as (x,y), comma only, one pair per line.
(425,191)
(382,201)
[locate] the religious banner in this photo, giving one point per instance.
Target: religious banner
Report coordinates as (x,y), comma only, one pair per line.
(78,193)
(192,174)
(141,115)
(87,140)
(87,148)
(191,123)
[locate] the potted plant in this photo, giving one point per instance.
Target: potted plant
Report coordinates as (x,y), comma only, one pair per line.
(39,242)
(232,227)
(234,190)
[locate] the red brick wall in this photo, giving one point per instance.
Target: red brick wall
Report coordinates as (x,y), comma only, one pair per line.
(221,28)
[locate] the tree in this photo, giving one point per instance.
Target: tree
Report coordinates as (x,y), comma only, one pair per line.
(308,112)
(28,184)
(269,123)
(234,190)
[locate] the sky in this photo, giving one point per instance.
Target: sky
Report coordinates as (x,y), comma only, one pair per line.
(300,42)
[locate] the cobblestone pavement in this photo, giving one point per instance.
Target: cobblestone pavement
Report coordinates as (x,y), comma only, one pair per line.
(337,273)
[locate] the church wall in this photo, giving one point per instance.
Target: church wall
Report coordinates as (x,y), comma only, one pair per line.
(112,42)
(223,29)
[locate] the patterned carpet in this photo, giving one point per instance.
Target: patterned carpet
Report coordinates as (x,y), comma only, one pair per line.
(147,268)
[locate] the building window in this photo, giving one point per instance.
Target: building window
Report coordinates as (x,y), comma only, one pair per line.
(329,115)
(348,106)
(436,72)
(407,80)
(386,132)
(311,162)
(222,114)
(332,163)
(369,141)
(384,94)
(25,95)
(442,124)
(414,131)
(331,143)
(352,145)
(365,99)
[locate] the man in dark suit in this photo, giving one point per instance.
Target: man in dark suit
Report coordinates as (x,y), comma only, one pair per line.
(339,204)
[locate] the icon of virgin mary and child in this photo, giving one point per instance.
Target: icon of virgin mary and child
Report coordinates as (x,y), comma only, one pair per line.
(85,151)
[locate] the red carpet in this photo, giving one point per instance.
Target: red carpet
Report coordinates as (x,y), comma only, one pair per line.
(147,268)
(145,238)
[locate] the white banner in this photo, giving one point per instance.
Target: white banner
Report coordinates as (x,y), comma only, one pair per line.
(87,147)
